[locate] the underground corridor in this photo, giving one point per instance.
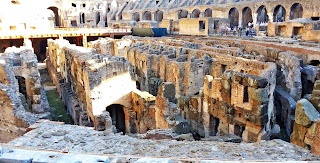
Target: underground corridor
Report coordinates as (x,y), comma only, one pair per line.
(118,117)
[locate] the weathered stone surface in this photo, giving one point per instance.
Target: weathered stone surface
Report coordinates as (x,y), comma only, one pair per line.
(306,114)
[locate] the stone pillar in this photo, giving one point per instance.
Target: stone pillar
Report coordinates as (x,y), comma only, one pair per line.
(84,41)
(254,18)
(240,18)
(152,16)
(270,16)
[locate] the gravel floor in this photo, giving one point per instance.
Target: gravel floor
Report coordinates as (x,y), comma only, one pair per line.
(71,138)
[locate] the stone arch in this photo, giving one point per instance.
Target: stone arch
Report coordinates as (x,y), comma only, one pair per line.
(296,11)
(207,13)
(195,13)
(279,14)
(182,14)
(246,16)
(234,17)
(158,16)
(146,15)
(56,12)
(136,16)
(82,18)
(118,117)
(262,14)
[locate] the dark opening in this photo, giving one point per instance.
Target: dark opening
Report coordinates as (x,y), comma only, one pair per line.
(223,69)
(43,49)
(297,31)
(138,85)
(234,17)
(146,15)
(202,25)
(262,15)
(213,125)
(136,17)
(246,16)
(207,13)
(182,14)
(55,11)
(84,5)
(279,14)
(315,63)
(82,18)
(195,13)
(315,18)
(210,85)
(73,23)
(245,94)
(158,16)
(296,11)
(73,5)
(22,86)
(97,18)
(238,130)
(157,2)
(118,117)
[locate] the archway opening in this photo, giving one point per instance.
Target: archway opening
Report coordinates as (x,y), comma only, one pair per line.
(246,17)
(55,11)
(158,16)
(182,14)
(207,13)
(234,17)
(117,116)
(213,125)
(296,11)
(136,17)
(146,15)
(195,13)
(279,14)
(262,15)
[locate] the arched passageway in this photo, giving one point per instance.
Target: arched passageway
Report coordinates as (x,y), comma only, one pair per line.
(296,11)
(136,17)
(262,14)
(207,13)
(234,17)
(195,13)
(158,16)
(117,116)
(279,14)
(146,15)
(182,14)
(246,17)
(55,11)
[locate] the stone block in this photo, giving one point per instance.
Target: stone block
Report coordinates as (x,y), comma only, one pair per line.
(297,136)
(255,81)
(305,113)
(153,160)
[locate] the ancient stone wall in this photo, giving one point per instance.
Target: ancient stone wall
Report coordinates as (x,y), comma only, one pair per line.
(17,113)
(91,84)
(186,63)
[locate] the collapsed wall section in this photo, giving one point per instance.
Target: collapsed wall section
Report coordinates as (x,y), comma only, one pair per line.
(16,114)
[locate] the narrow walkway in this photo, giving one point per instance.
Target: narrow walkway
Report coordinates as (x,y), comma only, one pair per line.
(57,107)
